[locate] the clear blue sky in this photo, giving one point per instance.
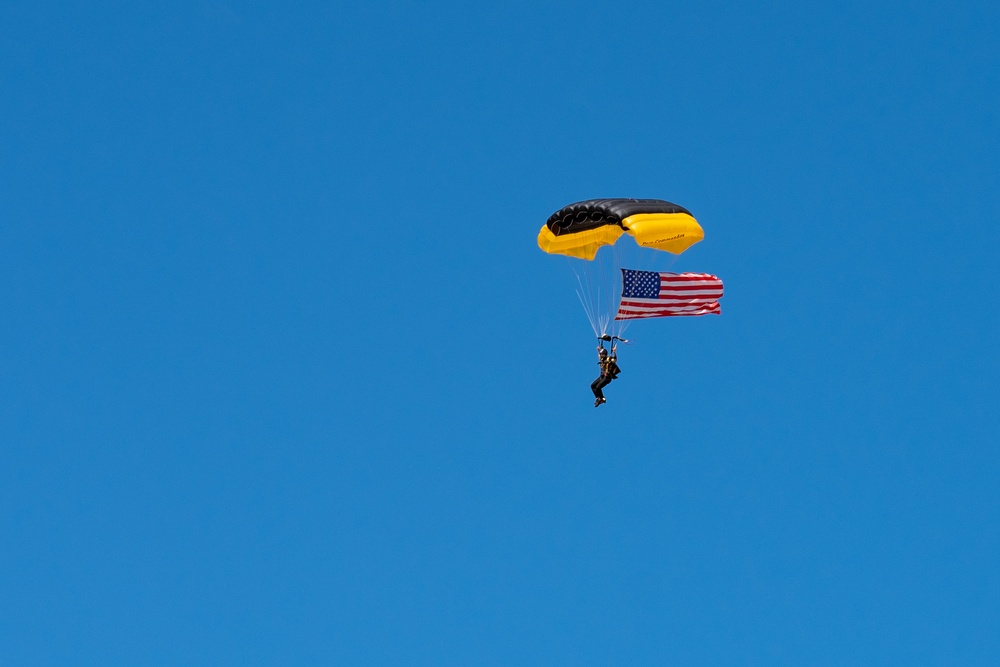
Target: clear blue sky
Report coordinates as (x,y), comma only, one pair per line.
(284,378)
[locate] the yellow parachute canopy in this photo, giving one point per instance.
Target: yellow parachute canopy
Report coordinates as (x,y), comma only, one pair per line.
(580,229)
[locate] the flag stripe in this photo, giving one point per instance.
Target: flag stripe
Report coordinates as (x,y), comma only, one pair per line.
(690,287)
(700,294)
(675,309)
(630,308)
(631,312)
(675,306)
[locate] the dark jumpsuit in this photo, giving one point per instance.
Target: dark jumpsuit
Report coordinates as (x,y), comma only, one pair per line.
(609,371)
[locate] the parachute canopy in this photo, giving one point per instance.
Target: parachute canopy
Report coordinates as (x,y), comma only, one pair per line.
(580,229)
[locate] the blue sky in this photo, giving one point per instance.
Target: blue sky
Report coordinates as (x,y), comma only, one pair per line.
(286,380)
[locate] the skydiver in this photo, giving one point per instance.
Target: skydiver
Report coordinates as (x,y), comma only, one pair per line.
(609,372)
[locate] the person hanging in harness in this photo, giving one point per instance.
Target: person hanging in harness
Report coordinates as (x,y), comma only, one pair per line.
(609,372)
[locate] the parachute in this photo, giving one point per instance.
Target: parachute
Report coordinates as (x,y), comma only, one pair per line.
(590,234)
(580,229)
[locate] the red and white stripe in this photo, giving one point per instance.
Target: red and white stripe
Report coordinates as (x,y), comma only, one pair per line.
(680,294)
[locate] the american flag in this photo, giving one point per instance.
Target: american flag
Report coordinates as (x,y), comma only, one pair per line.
(652,294)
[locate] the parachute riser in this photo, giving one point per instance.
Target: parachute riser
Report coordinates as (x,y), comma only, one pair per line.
(611,339)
